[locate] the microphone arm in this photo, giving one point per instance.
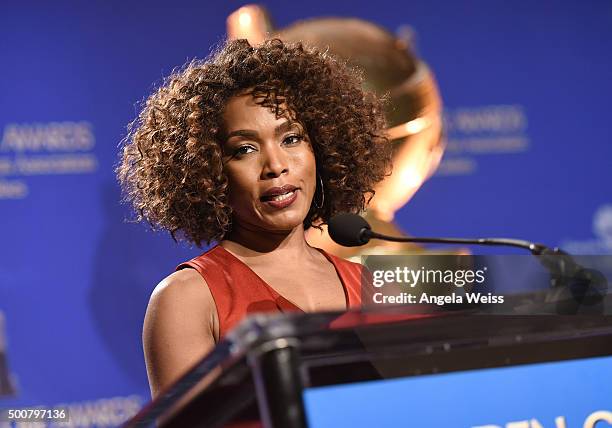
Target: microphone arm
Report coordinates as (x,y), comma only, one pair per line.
(584,285)
(559,263)
(536,249)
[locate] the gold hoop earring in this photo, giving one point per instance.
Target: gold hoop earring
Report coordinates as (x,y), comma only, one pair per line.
(320,205)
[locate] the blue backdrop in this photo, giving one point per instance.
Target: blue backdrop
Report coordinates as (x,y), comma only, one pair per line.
(527,89)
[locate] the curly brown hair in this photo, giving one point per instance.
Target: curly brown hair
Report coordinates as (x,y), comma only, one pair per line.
(171,166)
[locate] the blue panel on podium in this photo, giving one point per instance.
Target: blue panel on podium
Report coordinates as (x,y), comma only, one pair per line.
(562,394)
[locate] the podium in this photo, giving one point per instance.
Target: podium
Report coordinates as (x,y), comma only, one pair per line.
(465,367)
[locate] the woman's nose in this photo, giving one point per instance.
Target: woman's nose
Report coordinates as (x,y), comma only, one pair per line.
(275,162)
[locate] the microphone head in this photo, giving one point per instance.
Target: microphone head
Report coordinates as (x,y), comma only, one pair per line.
(347,230)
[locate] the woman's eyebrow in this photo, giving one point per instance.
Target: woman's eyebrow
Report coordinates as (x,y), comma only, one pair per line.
(285,127)
(247,133)
(250,133)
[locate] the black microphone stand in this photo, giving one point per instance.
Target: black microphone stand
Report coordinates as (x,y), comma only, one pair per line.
(573,286)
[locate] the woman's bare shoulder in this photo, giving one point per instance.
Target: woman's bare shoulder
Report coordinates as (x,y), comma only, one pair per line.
(184,297)
(185,284)
(179,327)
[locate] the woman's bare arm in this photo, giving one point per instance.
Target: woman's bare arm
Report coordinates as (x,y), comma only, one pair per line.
(178,328)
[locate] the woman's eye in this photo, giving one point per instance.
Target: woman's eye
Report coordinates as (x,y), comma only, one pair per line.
(243,150)
(293,139)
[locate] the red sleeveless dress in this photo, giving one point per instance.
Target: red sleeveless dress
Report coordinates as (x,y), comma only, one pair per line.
(238,291)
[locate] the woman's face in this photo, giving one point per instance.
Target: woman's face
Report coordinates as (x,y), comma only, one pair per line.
(270,166)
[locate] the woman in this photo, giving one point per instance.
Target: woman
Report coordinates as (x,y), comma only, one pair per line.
(249,149)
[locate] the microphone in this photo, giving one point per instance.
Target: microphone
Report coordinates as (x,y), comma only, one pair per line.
(587,286)
(349,230)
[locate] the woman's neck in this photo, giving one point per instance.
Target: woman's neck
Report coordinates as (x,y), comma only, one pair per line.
(260,246)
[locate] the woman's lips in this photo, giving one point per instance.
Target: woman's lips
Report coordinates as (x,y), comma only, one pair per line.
(281,201)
